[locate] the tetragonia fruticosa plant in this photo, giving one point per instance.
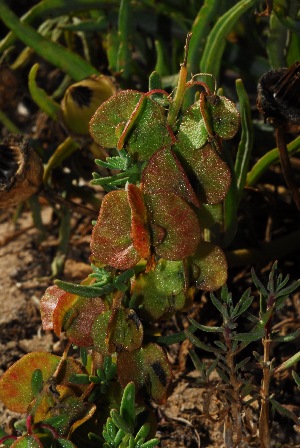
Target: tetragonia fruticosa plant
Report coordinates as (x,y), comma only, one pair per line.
(148,252)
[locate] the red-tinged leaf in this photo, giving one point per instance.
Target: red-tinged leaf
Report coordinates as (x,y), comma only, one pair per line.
(209,267)
(131,119)
(27,442)
(125,331)
(159,293)
(15,384)
(179,221)
(64,312)
(49,302)
(212,172)
(164,173)
(139,226)
(79,330)
(149,368)
(111,242)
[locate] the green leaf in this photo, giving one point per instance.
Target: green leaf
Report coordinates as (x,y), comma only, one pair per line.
(149,368)
(119,421)
(36,382)
(209,266)
(216,41)
(284,411)
(132,119)
(159,292)
(243,304)
(84,291)
(289,363)
(127,408)
(246,140)
(216,302)
(27,442)
(205,327)
(224,116)
(296,378)
(57,55)
(197,343)
(287,337)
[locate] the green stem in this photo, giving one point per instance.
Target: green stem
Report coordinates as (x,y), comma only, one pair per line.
(10,126)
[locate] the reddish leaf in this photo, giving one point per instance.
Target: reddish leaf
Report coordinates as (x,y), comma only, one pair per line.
(49,302)
(79,329)
(180,223)
(164,173)
(211,171)
(149,368)
(111,242)
(139,227)
(209,267)
(15,384)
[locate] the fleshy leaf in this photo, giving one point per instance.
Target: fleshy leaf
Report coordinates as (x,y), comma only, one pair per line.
(225,116)
(161,292)
(15,384)
(164,173)
(99,332)
(211,171)
(192,132)
(148,367)
(79,330)
(181,231)
(134,117)
(125,331)
(209,267)
(139,227)
(49,302)
(111,242)
(27,442)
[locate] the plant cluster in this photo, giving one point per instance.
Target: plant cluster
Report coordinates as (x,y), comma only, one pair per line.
(169,208)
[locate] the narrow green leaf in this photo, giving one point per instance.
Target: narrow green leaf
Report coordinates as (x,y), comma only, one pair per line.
(56,54)
(246,141)
(270,158)
(222,375)
(199,365)
(258,284)
(40,97)
(216,41)
(205,327)
(84,291)
(119,421)
(242,363)
(296,378)
(127,408)
(287,337)
(220,307)
(244,303)
(36,382)
(142,432)
(151,443)
(289,363)
(284,411)
(196,341)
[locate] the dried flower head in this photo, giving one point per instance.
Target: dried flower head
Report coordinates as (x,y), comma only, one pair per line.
(21,171)
(279,97)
